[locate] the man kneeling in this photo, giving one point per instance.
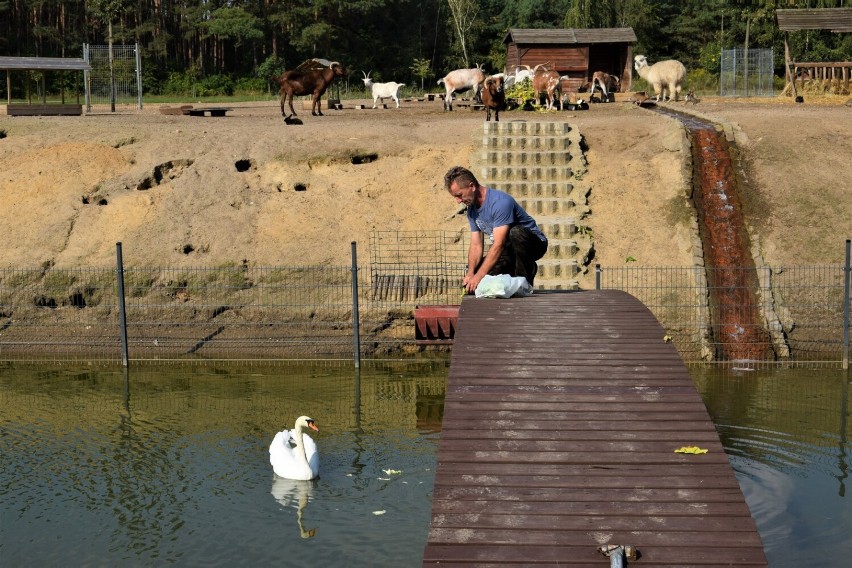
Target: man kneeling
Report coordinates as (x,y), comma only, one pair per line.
(516,241)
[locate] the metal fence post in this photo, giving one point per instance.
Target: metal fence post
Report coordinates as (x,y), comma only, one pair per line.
(847,274)
(356,333)
(597,276)
(138,76)
(122,315)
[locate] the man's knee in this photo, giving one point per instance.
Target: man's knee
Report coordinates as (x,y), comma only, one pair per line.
(518,232)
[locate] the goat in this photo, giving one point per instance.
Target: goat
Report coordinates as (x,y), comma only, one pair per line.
(382,90)
(605,82)
(549,83)
(312,82)
(691,98)
(663,74)
(519,76)
(493,96)
(462,80)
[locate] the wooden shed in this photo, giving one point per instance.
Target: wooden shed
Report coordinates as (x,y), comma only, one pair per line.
(574,53)
(42,64)
(837,20)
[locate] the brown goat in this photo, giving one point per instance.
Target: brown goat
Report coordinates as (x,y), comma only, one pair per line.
(549,83)
(312,82)
(493,97)
(604,82)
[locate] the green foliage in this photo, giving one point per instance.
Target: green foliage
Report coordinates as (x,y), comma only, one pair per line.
(108,10)
(522,91)
(179,83)
(250,86)
(214,85)
(422,69)
(710,57)
(272,67)
(700,81)
(235,24)
(640,84)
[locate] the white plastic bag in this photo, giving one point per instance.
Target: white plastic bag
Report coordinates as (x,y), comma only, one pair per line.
(503,286)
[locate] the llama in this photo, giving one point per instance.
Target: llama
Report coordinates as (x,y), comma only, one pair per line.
(662,75)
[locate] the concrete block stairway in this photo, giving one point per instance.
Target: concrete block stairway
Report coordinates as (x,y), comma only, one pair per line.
(541,164)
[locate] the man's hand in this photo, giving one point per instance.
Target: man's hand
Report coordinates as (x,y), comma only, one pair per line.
(470,282)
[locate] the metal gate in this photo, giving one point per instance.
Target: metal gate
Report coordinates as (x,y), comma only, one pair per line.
(113,82)
(747,73)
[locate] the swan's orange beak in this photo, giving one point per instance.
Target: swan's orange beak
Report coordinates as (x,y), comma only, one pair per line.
(313,426)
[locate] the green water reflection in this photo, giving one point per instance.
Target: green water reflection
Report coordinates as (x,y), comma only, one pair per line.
(786,433)
(170,465)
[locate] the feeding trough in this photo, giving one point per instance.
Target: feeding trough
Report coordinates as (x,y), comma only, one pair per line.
(435,324)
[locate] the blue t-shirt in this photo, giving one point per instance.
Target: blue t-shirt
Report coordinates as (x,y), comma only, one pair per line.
(500,209)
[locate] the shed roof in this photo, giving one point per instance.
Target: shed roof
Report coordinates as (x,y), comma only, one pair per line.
(44,63)
(834,19)
(569,35)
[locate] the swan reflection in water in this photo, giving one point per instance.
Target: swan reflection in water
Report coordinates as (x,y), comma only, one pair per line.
(294,493)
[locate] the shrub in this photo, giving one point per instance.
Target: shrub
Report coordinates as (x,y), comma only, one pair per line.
(178,83)
(250,86)
(522,91)
(214,85)
(701,81)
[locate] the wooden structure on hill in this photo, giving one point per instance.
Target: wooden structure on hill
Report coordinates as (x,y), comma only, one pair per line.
(837,20)
(42,64)
(573,53)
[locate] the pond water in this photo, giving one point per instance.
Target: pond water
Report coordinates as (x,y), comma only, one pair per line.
(172,466)
(169,465)
(787,435)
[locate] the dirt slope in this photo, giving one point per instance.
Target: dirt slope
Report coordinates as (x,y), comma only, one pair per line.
(201,191)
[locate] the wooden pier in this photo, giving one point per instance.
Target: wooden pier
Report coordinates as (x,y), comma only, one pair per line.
(562,416)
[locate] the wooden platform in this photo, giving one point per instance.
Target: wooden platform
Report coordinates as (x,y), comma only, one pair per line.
(562,416)
(54,109)
(208,111)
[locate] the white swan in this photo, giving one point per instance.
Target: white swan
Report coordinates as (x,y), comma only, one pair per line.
(293,455)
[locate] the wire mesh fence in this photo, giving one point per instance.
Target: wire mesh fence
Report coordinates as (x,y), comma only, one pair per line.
(422,266)
(115,78)
(747,73)
(799,314)
(208,313)
(284,313)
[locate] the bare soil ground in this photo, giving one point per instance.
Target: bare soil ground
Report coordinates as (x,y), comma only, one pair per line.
(201,191)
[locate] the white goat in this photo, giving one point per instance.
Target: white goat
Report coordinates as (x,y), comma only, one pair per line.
(382,90)
(661,75)
(462,80)
(519,76)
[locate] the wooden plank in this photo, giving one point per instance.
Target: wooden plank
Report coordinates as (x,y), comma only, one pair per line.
(562,414)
